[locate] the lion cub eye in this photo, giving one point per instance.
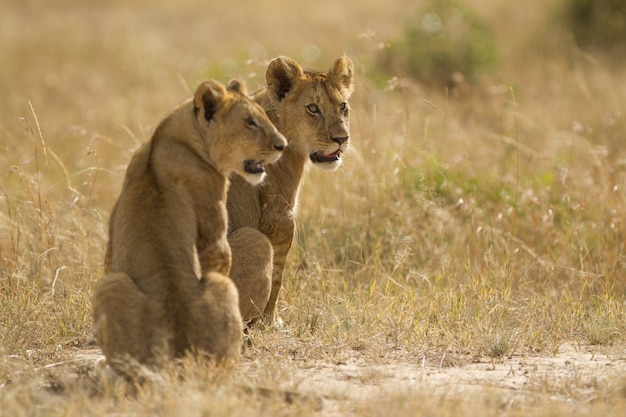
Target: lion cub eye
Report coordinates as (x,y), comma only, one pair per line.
(313,109)
(251,123)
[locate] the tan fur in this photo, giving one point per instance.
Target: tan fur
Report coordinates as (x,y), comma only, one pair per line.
(171,213)
(311,109)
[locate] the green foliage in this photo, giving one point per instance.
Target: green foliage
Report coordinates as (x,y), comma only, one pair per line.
(445,42)
(596,24)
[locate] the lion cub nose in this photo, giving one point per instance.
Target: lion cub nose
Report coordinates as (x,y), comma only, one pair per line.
(340,140)
(281,143)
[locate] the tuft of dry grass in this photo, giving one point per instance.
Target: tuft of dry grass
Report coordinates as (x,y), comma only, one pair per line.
(480,228)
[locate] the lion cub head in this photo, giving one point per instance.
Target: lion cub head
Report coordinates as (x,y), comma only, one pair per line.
(244,140)
(311,108)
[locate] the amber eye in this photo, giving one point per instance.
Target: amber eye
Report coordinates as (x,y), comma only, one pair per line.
(313,109)
(343,108)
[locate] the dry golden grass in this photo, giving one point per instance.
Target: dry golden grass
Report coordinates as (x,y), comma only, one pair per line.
(464,236)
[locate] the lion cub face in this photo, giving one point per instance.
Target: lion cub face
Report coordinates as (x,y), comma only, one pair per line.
(244,140)
(312,108)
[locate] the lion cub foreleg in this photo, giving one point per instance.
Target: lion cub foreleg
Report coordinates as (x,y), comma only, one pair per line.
(280,230)
(251,271)
(128,324)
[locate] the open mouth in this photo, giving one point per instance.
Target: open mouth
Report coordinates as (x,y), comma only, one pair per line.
(254,166)
(319,158)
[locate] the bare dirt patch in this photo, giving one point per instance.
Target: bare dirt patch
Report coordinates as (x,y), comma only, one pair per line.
(513,378)
(575,376)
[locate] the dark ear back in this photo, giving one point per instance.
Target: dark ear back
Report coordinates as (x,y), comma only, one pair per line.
(341,75)
(237,86)
(281,74)
(208,97)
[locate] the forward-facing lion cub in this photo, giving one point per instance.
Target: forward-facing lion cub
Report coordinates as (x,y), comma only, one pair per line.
(151,304)
(311,109)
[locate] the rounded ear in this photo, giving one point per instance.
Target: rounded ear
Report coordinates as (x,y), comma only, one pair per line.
(281,74)
(237,86)
(208,97)
(341,75)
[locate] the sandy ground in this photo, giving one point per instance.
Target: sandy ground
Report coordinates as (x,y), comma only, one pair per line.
(514,379)
(574,373)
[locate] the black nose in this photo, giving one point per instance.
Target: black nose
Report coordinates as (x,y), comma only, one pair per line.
(340,140)
(279,148)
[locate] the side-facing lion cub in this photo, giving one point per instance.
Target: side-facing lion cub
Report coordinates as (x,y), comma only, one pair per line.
(311,109)
(151,304)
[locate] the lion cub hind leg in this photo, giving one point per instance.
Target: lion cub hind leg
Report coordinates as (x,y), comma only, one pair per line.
(215,325)
(251,271)
(128,324)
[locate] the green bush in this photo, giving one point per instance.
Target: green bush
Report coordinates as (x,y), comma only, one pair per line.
(596,24)
(442,42)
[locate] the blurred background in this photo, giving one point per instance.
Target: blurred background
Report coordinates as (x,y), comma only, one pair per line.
(94,66)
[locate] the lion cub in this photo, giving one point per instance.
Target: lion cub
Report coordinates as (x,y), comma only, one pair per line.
(311,109)
(151,304)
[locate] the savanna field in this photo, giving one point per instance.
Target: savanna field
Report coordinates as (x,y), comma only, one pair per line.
(467,259)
